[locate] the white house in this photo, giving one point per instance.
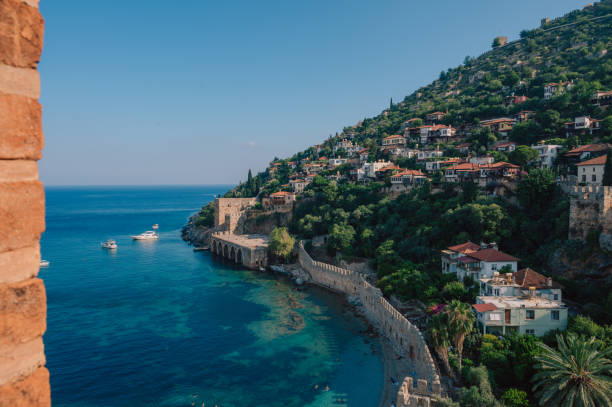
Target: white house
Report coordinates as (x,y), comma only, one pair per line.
(394,140)
(334,162)
(298,185)
(524,283)
(591,172)
(369,169)
(426,154)
(484,262)
(529,315)
(547,153)
(450,255)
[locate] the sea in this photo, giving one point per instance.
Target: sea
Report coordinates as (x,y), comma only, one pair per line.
(154,323)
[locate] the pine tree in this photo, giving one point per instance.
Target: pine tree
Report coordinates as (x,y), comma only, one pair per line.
(607,177)
(391,104)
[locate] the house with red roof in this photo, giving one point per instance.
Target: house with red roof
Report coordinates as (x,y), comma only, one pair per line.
(524,115)
(523,302)
(581,126)
(278,199)
(435,117)
(591,172)
(450,255)
(404,180)
(484,262)
(553,88)
(602,98)
(437,133)
(394,141)
(500,126)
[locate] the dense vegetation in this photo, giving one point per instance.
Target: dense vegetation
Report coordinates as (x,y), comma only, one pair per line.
(402,237)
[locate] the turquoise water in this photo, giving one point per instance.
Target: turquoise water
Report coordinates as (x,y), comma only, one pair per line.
(156,324)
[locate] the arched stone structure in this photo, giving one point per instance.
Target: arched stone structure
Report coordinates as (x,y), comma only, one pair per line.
(247,250)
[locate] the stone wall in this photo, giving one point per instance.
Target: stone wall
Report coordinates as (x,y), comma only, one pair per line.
(24,380)
(590,210)
(405,337)
(230,213)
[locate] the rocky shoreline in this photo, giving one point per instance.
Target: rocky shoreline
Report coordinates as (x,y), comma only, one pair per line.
(197,236)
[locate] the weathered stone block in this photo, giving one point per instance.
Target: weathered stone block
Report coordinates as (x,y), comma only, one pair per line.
(22,210)
(19,265)
(20,361)
(21,134)
(21,34)
(20,81)
(32,391)
(23,310)
(18,170)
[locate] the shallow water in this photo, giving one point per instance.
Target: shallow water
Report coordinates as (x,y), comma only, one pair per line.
(156,324)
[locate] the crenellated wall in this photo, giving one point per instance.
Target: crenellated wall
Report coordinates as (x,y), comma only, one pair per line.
(589,210)
(24,380)
(405,337)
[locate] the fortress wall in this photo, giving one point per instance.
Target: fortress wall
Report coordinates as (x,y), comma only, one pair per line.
(230,212)
(24,380)
(590,209)
(405,337)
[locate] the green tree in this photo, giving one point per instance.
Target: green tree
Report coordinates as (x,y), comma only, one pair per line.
(341,236)
(537,190)
(515,398)
(460,324)
(522,155)
(281,243)
(454,290)
(439,338)
(606,129)
(578,374)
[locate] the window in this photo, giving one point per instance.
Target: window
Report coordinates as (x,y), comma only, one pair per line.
(556,297)
(594,178)
(494,317)
(497,292)
(530,331)
(554,315)
(494,266)
(584,178)
(530,314)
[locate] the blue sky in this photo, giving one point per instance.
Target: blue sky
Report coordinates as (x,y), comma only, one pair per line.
(198,91)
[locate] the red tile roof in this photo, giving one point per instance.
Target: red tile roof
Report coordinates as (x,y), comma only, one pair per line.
(394,136)
(490,255)
(465,247)
(528,278)
(601,160)
(484,307)
(591,148)
(280,194)
(410,172)
(498,120)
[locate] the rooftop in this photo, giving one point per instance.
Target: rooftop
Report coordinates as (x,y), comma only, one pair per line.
(490,255)
(601,160)
(465,247)
(519,302)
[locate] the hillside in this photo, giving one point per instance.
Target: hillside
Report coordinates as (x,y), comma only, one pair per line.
(487,153)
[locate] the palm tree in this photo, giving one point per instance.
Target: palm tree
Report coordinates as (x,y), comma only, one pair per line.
(437,335)
(460,324)
(576,375)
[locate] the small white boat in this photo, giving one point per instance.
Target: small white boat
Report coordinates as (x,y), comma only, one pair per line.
(109,244)
(44,263)
(155,227)
(148,235)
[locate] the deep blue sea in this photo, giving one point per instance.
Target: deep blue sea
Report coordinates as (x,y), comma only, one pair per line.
(157,324)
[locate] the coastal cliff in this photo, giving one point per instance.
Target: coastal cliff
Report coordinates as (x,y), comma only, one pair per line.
(197,236)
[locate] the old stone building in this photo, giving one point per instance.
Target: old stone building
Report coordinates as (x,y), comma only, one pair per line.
(24,380)
(590,211)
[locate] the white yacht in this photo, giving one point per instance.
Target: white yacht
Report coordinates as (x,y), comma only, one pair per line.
(109,244)
(44,263)
(148,235)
